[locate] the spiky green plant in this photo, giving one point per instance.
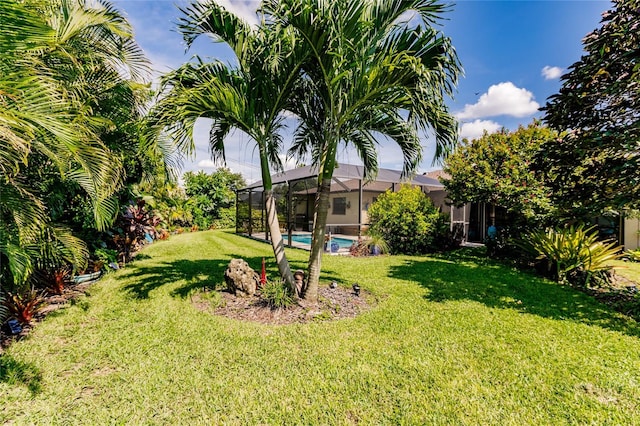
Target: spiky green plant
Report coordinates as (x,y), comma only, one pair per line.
(633,255)
(571,252)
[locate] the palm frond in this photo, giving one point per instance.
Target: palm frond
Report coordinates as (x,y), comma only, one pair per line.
(21,29)
(217,134)
(4,312)
(210,18)
(18,261)
(106,31)
(366,146)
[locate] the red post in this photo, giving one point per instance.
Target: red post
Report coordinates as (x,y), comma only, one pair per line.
(263,275)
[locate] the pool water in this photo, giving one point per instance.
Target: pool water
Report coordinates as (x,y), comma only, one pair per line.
(306,239)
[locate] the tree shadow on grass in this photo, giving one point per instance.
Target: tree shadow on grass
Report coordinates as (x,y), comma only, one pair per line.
(198,274)
(462,276)
(14,372)
(143,279)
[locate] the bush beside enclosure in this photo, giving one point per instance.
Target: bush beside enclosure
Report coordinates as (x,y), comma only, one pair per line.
(409,222)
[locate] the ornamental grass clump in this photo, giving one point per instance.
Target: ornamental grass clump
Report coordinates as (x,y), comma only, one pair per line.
(572,255)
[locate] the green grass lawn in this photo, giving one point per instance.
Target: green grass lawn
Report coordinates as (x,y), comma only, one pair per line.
(453,339)
(629,270)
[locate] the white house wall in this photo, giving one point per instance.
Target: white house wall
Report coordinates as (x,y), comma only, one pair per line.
(348,222)
(351,213)
(631,234)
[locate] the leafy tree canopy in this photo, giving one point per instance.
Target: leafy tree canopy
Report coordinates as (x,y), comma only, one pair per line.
(495,169)
(596,165)
(212,194)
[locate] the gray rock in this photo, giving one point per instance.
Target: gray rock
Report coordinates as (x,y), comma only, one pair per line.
(241,279)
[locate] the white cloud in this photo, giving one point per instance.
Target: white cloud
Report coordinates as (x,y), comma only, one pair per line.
(476,128)
(207,164)
(551,73)
(246,9)
(501,99)
(290,163)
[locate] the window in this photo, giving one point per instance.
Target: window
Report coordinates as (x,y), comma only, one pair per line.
(339,206)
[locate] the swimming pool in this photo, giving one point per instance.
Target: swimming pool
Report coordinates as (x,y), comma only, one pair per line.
(306,239)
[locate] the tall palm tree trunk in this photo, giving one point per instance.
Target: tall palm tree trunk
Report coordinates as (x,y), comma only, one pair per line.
(321,210)
(277,242)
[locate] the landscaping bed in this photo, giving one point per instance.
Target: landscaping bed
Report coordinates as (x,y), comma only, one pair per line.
(334,303)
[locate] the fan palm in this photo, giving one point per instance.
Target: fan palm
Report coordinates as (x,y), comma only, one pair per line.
(250,97)
(374,66)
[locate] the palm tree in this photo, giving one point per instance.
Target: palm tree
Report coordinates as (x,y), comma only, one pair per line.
(251,97)
(375,66)
(54,56)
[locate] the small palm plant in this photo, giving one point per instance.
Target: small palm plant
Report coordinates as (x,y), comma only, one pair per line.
(572,254)
(377,244)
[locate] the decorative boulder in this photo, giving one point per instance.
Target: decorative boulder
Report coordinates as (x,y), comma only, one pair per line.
(241,279)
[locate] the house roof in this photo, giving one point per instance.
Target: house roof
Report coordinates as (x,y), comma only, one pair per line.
(437,174)
(346,174)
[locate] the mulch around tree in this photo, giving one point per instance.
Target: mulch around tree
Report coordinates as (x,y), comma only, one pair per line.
(333,303)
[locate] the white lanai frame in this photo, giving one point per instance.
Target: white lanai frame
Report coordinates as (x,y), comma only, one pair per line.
(349,201)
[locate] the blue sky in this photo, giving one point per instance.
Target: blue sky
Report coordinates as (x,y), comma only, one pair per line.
(512,52)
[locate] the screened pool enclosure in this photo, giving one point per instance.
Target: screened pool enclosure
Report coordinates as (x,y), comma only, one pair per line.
(350,198)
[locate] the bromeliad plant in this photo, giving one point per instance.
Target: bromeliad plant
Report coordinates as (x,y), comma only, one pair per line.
(53,279)
(571,255)
(23,304)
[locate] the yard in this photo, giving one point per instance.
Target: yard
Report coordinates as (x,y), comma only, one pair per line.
(451,339)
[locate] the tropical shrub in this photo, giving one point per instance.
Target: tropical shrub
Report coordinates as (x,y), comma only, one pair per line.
(72,75)
(571,255)
(106,256)
(212,197)
(277,294)
(407,220)
(133,225)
